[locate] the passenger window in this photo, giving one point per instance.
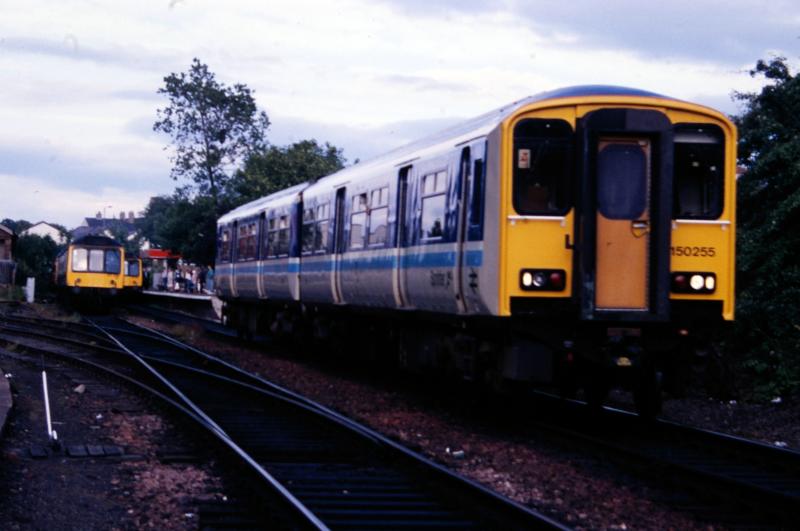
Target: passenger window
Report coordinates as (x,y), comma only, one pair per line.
(358,220)
(543,152)
(241,251)
(434,200)
(282,248)
(308,231)
(80,260)
(272,238)
(378,216)
(699,162)
(321,234)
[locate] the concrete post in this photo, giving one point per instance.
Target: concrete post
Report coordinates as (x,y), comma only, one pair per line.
(30,289)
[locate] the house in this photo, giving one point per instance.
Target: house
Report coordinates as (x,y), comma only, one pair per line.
(43,229)
(7,265)
(122,228)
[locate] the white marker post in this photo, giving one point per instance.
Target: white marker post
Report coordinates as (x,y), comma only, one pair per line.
(30,289)
(51,434)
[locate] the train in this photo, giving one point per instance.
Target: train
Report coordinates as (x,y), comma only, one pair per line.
(582,238)
(133,277)
(90,268)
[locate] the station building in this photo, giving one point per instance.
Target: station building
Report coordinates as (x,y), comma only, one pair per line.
(7,264)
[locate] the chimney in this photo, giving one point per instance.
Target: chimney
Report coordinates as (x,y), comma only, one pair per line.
(131,216)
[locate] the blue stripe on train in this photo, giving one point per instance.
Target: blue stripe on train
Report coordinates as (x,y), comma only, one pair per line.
(426,260)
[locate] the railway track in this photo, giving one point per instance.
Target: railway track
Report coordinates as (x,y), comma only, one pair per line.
(721,478)
(330,472)
(348,476)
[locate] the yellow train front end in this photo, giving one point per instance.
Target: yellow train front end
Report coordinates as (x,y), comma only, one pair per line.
(91,267)
(133,277)
(618,213)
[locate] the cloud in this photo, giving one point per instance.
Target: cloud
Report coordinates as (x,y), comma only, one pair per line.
(120,166)
(361,143)
(734,32)
(38,200)
(71,48)
(423,83)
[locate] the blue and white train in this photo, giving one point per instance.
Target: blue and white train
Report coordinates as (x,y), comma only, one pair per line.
(550,238)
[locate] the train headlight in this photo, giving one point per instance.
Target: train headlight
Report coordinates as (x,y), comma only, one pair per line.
(694,282)
(527,279)
(542,279)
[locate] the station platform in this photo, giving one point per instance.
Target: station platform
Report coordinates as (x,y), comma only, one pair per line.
(205,306)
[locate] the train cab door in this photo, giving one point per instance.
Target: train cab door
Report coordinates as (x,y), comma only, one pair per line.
(626,210)
(623,224)
(338,245)
(261,255)
(401,238)
(234,258)
(461,228)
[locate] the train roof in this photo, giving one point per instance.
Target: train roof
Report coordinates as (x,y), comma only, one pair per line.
(471,129)
(280,198)
(474,128)
(94,239)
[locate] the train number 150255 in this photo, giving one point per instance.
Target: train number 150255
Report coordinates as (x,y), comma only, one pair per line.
(694,251)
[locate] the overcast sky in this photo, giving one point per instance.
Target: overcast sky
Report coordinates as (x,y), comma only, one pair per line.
(79,78)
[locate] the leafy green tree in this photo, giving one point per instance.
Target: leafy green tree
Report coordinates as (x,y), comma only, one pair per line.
(184,224)
(276,168)
(35,257)
(768,224)
(213,128)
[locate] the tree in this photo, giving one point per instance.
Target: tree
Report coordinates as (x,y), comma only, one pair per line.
(17,226)
(35,257)
(276,168)
(183,224)
(213,127)
(768,225)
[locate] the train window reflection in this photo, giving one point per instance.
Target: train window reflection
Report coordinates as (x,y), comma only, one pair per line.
(357,222)
(434,200)
(80,259)
(113,262)
(543,152)
(96,260)
(699,168)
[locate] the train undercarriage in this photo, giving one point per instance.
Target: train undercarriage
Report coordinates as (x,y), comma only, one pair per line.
(576,359)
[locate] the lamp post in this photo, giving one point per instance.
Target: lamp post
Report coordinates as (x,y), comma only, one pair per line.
(104,216)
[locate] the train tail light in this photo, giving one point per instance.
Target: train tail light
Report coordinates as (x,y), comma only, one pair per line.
(694,282)
(542,279)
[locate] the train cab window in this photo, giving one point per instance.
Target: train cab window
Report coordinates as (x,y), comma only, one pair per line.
(543,152)
(96,260)
(112,262)
(321,233)
(131,268)
(378,216)
(80,260)
(358,220)
(699,163)
(434,186)
(622,181)
(308,231)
